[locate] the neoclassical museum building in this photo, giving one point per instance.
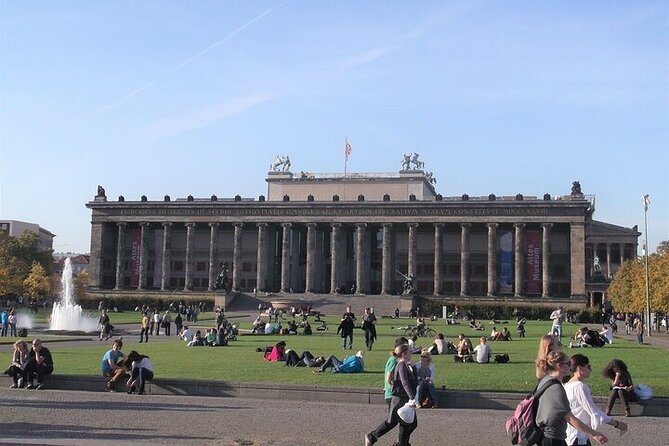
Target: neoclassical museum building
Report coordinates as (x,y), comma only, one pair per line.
(361,234)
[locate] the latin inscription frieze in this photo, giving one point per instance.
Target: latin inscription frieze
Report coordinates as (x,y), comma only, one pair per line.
(427,211)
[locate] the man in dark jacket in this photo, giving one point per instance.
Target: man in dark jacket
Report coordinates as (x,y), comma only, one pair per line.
(346,328)
(39,365)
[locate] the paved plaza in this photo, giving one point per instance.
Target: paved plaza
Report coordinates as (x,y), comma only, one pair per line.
(83,418)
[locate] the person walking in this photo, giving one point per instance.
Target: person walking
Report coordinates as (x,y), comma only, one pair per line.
(167,323)
(638,329)
(403,392)
(369,327)
(145,325)
(558,317)
(581,404)
(346,328)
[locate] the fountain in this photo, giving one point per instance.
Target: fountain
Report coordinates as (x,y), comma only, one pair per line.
(66,316)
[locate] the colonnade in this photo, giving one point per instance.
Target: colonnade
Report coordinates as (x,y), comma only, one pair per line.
(315,260)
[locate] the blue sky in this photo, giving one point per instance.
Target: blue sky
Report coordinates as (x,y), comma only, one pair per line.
(176,97)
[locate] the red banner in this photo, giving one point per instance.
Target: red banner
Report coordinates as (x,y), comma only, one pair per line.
(533,261)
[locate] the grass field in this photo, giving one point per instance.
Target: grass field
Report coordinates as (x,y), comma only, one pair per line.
(240,362)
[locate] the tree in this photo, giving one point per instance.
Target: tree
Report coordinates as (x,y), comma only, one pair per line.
(38,283)
(627,290)
(17,255)
(80,284)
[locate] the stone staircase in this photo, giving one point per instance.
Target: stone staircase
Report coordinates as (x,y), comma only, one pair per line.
(327,304)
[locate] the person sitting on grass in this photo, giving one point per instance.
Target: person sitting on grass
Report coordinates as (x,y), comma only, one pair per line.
(483,351)
(141,370)
(350,364)
(110,366)
(278,352)
(198,340)
(211,337)
(464,348)
(494,334)
(505,335)
(258,326)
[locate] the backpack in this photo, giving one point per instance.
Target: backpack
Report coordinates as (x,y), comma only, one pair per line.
(522,425)
(502,359)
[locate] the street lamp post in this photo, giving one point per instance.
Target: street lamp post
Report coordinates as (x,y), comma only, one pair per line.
(646,202)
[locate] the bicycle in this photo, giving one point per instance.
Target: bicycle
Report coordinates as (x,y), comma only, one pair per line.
(418,331)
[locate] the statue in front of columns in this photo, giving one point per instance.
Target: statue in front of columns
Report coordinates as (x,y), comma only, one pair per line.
(596,266)
(222,281)
(417,164)
(280,164)
(408,284)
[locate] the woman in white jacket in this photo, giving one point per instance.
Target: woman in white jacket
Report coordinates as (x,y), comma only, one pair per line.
(582,406)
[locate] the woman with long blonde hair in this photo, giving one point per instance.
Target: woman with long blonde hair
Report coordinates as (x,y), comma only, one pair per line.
(548,343)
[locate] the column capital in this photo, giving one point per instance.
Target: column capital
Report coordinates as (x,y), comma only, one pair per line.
(312,225)
(213,224)
(439,225)
(412,225)
(262,225)
(335,225)
(167,224)
(465,225)
(387,225)
(145,224)
(492,225)
(546,225)
(190,225)
(519,225)
(286,225)
(121,224)
(238,224)
(361,225)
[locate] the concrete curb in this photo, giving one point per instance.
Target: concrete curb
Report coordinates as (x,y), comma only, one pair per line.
(449,399)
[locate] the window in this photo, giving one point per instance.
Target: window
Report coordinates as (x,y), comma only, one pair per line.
(201,266)
(178,266)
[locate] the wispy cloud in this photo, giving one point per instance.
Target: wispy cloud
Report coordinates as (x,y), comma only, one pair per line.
(178,67)
(202,117)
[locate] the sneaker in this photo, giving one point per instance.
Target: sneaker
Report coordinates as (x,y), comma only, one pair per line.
(31,386)
(20,385)
(109,387)
(131,390)
(14,386)
(628,413)
(368,441)
(141,392)
(40,386)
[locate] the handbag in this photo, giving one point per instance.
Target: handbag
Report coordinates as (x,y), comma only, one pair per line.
(643,392)
(407,413)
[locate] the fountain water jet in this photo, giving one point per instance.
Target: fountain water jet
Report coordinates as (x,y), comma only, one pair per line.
(66,315)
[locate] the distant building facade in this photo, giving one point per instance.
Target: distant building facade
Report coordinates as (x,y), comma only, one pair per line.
(79,263)
(328,233)
(15,228)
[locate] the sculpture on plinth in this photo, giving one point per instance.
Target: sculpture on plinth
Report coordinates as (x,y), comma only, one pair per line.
(280,164)
(417,164)
(101,191)
(408,288)
(576,189)
(429,176)
(222,281)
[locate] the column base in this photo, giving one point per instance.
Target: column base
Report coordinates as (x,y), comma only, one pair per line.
(491,295)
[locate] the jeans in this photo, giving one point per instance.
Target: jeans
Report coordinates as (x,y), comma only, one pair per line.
(557,331)
(623,394)
(141,375)
(431,389)
(350,341)
(392,421)
(332,361)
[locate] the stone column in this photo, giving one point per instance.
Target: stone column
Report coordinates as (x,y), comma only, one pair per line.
(311,284)
(120,254)
(464,258)
(95,263)
(237,258)
(438,258)
(411,260)
(518,260)
(387,272)
(190,227)
(285,257)
(361,267)
(545,257)
(577,244)
(492,259)
(143,255)
(622,253)
(213,251)
(608,260)
(261,274)
(167,253)
(335,263)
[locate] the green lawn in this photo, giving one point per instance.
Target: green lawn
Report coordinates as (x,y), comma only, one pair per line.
(240,361)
